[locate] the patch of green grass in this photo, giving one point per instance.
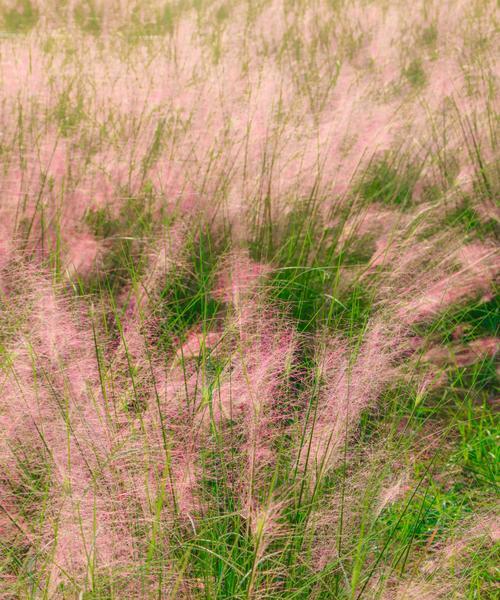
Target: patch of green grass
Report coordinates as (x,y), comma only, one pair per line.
(160,22)
(88,17)
(21,18)
(474,320)
(14,558)
(310,296)
(479,571)
(186,299)
(221,554)
(478,450)
(127,235)
(68,112)
(429,35)
(388,182)
(486,183)
(423,516)
(464,463)
(102,223)
(33,481)
(301,293)
(222,13)
(358,252)
(305,283)
(467,218)
(415,74)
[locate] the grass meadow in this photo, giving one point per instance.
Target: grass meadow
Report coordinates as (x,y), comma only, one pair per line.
(249,302)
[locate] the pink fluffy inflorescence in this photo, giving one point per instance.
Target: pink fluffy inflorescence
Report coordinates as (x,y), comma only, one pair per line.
(350,381)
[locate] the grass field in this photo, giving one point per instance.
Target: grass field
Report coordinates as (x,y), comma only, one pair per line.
(249,299)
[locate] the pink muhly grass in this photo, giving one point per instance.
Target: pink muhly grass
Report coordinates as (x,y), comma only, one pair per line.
(480,531)
(158,431)
(265,523)
(479,267)
(263,349)
(372,220)
(161,437)
(250,393)
(477,534)
(239,278)
(392,492)
(377,223)
(52,394)
(351,381)
(82,255)
(6,247)
(418,590)
(265,527)
(135,307)
(205,130)
(197,343)
(164,258)
(462,355)
(159,476)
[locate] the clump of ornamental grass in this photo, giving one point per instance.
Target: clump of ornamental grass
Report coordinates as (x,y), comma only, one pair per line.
(96,453)
(350,381)
(51,370)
